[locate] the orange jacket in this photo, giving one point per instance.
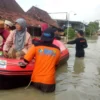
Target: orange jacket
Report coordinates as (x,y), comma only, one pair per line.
(46,59)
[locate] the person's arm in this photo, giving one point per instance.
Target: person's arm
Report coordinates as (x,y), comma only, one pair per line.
(72,42)
(85,45)
(28,57)
(30,54)
(58,58)
(9,42)
(29,44)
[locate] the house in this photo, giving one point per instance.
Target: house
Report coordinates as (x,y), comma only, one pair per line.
(42,15)
(35,17)
(11,5)
(10,10)
(74,24)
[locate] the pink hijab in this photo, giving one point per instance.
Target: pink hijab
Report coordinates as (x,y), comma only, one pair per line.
(44,26)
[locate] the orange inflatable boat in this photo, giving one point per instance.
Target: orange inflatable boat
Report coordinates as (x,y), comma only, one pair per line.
(12,76)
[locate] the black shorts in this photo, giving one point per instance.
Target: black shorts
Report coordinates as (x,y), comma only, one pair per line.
(44,87)
(80,53)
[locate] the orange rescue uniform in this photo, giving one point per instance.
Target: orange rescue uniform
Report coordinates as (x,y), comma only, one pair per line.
(47,58)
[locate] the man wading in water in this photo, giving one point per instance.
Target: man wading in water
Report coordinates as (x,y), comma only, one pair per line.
(81,43)
(46,58)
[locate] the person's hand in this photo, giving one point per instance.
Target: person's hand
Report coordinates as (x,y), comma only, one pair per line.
(22,64)
(20,55)
(65,42)
(5,53)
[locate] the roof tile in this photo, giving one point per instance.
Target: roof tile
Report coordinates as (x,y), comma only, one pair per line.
(41,15)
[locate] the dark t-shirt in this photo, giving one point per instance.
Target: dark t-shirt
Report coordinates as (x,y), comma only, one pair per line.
(57,37)
(81,43)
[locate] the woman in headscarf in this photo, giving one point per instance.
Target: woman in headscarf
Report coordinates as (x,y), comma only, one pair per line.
(18,42)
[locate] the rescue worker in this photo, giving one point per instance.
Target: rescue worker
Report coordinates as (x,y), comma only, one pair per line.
(46,58)
(80,42)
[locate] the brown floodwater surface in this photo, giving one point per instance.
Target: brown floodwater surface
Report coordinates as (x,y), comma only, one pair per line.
(77,80)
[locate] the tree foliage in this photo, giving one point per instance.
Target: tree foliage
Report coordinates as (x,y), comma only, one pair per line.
(92,28)
(71,33)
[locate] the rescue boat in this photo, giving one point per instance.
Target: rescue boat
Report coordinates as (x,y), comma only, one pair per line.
(12,76)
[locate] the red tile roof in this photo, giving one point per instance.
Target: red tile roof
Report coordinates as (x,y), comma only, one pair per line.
(41,15)
(11,5)
(12,16)
(9,9)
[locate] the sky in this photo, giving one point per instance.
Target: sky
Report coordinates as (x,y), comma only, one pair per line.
(85,10)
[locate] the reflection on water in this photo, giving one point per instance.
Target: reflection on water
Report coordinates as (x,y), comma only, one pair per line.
(82,82)
(77,80)
(78,65)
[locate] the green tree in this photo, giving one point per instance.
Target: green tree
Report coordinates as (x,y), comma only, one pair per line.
(71,33)
(92,28)
(87,31)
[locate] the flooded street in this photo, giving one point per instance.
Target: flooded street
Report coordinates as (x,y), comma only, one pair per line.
(77,80)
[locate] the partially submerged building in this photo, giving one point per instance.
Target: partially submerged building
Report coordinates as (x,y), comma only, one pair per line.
(74,24)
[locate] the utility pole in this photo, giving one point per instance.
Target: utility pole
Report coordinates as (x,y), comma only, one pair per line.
(67,20)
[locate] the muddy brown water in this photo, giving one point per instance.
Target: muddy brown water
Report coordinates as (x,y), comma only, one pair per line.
(77,80)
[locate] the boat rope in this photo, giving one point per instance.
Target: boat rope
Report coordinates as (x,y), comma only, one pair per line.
(12,64)
(28,85)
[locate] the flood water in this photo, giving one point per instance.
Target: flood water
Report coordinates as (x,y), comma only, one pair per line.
(77,80)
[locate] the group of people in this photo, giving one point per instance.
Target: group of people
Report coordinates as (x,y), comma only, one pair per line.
(18,44)
(14,43)
(47,57)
